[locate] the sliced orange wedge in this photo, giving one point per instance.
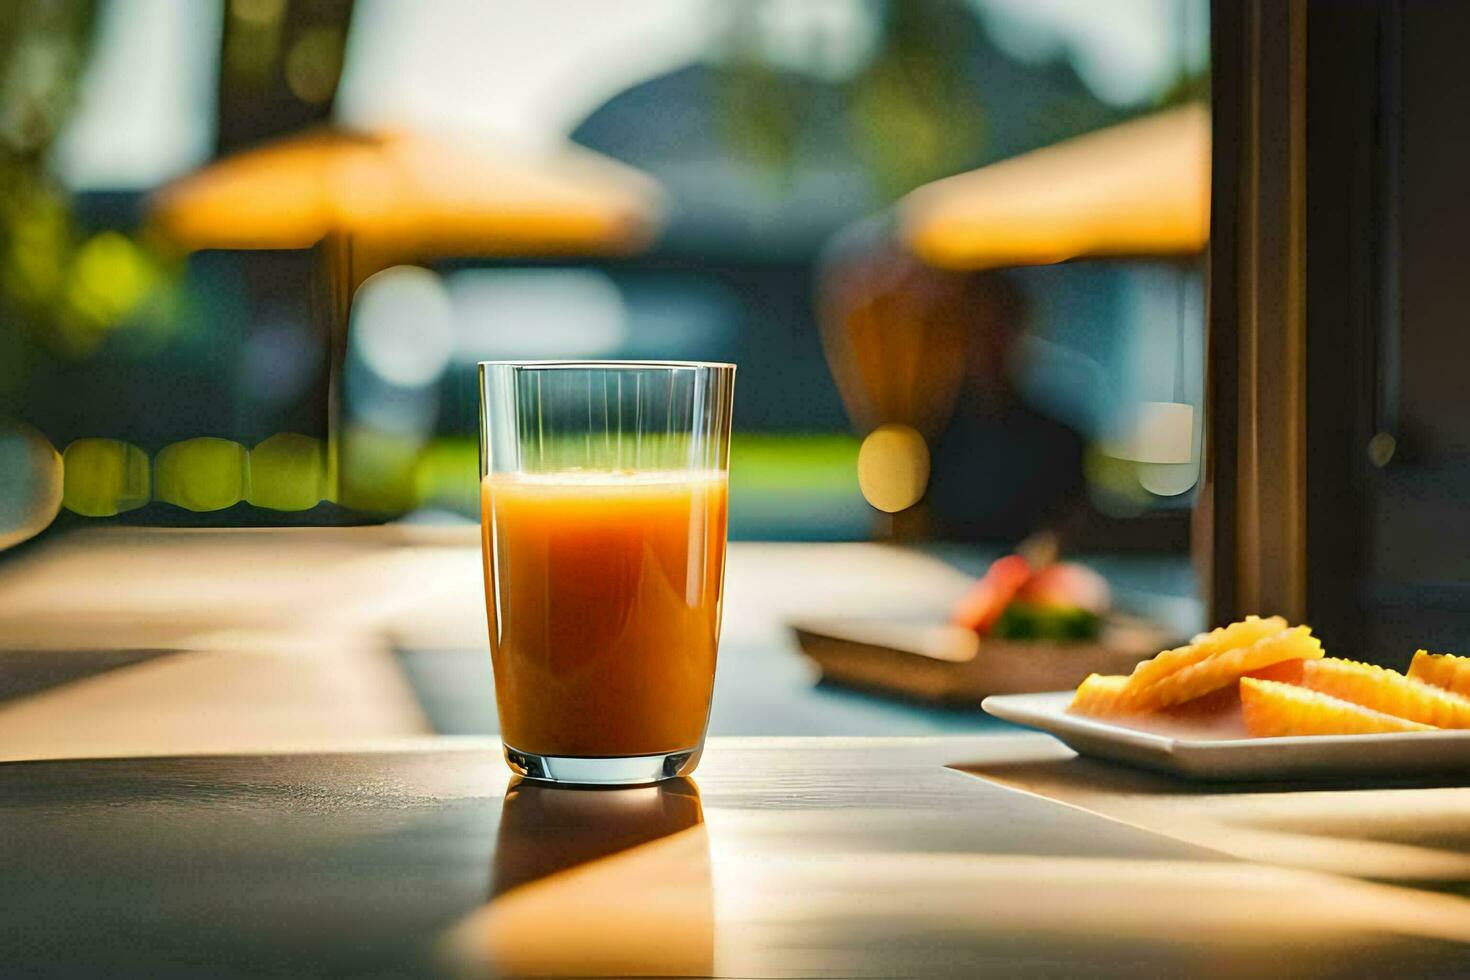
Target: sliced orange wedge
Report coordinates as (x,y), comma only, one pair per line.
(1274,709)
(1444,670)
(1244,633)
(1287,671)
(1102,695)
(1387,691)
(1225,668)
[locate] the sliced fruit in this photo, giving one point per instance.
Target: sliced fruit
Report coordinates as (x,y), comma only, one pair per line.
(1387,691)
(1244,633)
(1103,695)
(987,599)
(1207,710)
(1067,585)
(1287,672)
(1228,666)
(1273,709)
(1442,670)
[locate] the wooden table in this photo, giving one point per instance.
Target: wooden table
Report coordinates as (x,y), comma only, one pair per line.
(215,760)
(139,641)
(782,858)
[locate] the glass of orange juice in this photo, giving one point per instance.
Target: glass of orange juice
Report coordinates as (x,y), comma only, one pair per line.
(602,509)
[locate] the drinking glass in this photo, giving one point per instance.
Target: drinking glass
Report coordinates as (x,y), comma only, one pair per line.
(602,509)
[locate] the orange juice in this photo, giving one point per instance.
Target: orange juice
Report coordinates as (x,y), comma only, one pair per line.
(603,590)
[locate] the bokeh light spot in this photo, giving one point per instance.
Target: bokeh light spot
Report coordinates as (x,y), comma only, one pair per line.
(30,484)
(403,326)
(1163,433)
(1167,479)
(1381,449)
(258,13)
(201,474)
(503,314)
(314,63)
(104,477)
(378,470)
(288,471)
(893,467)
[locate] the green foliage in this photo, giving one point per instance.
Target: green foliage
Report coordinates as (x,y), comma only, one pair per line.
(914,115)
(1187,88)
(909,111)
(63,290)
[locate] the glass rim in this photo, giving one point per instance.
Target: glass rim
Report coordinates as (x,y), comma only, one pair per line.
(552,365)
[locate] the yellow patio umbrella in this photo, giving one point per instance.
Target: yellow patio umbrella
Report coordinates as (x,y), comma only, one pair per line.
(377,200)
(897,341)
(410,195)
(1139,189)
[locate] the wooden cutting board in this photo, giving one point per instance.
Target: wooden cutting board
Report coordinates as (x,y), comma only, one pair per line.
(951,665)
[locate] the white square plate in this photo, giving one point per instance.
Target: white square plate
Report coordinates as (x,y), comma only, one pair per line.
(1234,758)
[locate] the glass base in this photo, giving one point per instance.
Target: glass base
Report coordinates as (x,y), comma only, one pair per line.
(620,770)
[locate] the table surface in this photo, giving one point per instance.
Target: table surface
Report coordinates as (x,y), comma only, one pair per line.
(781,858)
(269,638)
(218,756)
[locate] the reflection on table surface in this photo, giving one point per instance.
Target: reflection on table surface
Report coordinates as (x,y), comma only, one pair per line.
(560,907)
(546,829)
(814,857)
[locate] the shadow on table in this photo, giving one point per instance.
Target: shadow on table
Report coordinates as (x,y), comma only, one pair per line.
(1110,777)
(549,829)
(1412,831)
(604,882)
(27,672)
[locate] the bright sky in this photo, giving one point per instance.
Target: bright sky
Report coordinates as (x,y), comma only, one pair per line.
(1126,51)
(147,103)
(526,71)
(523,71)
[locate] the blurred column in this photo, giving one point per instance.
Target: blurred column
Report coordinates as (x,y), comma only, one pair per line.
(1255,485)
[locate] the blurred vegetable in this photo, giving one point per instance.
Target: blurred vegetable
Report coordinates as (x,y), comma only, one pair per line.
(985,603)
(1068,585)
(1031,621)
(1012,601)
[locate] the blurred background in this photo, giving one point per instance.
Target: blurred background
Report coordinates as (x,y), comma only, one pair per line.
(250,252)
(290,229)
